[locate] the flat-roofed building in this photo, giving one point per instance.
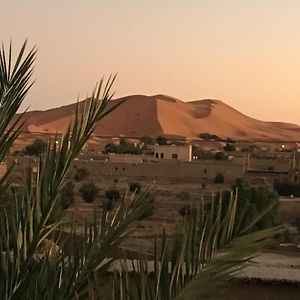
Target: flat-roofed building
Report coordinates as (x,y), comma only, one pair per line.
(173,152)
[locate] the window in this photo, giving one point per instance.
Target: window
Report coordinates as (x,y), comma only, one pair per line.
(156,155)
(123,169)
(175,156)
(116,168)
(205,171)
(161,155)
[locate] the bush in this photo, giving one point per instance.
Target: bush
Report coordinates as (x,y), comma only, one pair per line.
(147,140)
(161,140)
(124,147)
(81,173)
(135,187)
(208,136)
(88,192)
(287,187)
(219,178)
(37,147)
(112,194)
(252,201)
(221,156)
(67,195)
(230,147)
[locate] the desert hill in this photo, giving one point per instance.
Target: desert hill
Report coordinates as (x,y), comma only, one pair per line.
(141,115)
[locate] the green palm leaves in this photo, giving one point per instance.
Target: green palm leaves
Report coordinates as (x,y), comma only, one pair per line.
(45,258)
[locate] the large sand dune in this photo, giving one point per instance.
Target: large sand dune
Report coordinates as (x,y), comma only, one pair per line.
(157,115)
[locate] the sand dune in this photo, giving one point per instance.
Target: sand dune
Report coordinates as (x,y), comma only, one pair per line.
(141,115)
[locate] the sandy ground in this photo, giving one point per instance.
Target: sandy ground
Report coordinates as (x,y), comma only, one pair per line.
(141,115)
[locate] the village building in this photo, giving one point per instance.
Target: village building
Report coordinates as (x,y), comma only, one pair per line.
(173,152)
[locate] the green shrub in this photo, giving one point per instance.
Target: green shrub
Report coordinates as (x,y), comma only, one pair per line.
(230,147)
(161,140)
(124,147)
(81,173)
(252,200)
(219,178)
(135,187)
(208,136)
(220,155)
(147,140)
(89,192)
(287,187)
(37,147)
(112,194)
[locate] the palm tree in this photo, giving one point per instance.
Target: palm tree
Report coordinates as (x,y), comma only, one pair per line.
(42,257)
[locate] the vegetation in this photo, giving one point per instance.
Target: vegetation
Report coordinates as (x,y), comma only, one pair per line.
(161,140)
(40,260)
(37,147)
(287,188)
(67,195)
(124,147)
(112,195)
(134,187)
(208,137)
(147,140)
(89,192)
(253,200)
(81,174)
(200,153)
(229,147)
(220,155)
(219,178)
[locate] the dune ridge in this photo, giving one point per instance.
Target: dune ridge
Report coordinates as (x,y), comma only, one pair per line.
(151,116)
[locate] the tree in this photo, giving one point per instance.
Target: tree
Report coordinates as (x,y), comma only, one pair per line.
(161,140)
(208,136)
(230,147)
(69,267)
(220,155)
(287,187)
(89,192)
(147,140)
(37,147)
(219,178)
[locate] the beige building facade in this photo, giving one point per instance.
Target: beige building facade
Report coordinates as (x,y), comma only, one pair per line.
(173,152)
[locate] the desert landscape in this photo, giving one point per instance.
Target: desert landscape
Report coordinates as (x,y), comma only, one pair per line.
(152,116)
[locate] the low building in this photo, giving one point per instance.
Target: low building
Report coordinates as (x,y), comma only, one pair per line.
(173,152)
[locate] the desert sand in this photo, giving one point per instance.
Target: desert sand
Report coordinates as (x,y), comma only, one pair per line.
(141,115)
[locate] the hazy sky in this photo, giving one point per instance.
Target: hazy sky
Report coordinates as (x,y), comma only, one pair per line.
(244,52)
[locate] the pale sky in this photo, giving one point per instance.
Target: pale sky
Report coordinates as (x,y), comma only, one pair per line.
(244,52)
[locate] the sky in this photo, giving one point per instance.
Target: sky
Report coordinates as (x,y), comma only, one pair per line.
(246,53)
